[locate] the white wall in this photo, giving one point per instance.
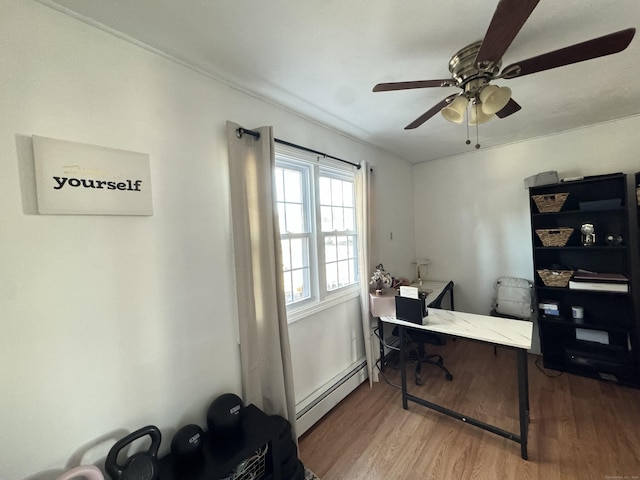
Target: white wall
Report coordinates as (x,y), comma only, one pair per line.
(395,208)
(112,323)
(312,336)
(472,211)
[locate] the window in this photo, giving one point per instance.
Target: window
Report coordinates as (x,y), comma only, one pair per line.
(295,230)
(338,231)
(316,208)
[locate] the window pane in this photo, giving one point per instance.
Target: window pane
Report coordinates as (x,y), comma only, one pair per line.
(326,219)
(299,253)
(286,255)
(292,186)
(336,192)
(351,243)
(330,249)
(352,271)
(295,219)
(282,218)
(347,194)
(288,289)
(332,276)
(343,248)
(325,191)
(343,273)
(306,293)
(338,219)
(300,285)
(349,219)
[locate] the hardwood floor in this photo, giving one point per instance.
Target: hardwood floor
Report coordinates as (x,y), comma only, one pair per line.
(580,428)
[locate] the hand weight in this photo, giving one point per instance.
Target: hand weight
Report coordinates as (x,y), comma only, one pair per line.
(139,466)
(90,472)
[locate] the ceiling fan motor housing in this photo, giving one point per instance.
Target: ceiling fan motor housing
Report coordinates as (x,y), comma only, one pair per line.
(464,70)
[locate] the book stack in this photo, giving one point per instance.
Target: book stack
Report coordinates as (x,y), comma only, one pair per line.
(549,307)
(604,282)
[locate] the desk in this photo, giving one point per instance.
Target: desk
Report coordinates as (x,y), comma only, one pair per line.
(514,334)
(385,305)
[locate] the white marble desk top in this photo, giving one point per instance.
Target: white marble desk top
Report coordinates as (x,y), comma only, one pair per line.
(495,330)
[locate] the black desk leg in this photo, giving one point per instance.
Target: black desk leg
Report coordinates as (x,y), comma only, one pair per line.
(381,338)
(403,371)
(526,385)
(523,400)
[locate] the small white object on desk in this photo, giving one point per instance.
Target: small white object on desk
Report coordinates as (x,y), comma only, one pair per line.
(409,292)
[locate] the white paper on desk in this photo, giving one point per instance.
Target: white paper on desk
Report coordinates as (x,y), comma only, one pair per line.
(410,292)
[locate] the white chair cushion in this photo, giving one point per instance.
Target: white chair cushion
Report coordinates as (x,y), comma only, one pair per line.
(513,297)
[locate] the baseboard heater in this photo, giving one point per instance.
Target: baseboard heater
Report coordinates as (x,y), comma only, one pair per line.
(329,395)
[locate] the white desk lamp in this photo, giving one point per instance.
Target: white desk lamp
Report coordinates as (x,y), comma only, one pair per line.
(420,262)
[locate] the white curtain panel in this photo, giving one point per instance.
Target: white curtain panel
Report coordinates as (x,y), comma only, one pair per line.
(267,375)
(364,213)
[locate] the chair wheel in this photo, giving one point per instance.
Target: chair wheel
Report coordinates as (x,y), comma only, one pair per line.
(449,376)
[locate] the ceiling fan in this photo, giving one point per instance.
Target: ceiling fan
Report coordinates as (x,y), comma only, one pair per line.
(475,66)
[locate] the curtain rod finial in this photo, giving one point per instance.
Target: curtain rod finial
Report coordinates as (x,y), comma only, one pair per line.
(241,131)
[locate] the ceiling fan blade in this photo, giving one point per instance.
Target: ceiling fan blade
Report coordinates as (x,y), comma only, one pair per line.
(597,47)
(386,87)
(509,109)
(430,113)
(508,19)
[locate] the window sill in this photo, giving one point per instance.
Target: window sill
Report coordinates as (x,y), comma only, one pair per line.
(303,312)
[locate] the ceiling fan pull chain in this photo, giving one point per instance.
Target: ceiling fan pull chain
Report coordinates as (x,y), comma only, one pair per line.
(468,142)
(477,122)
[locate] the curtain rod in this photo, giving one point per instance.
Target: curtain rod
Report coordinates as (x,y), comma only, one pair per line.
(240,131)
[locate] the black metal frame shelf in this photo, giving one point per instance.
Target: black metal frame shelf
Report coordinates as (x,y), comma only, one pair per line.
(608,314)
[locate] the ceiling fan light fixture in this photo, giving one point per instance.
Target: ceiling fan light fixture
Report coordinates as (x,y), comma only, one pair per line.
(454,112)
(494,98)
(478,116)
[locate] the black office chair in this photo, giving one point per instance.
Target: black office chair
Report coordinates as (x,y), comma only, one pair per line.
(420,338)
(418,354)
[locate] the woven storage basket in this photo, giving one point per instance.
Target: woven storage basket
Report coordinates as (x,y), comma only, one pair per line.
(555,278)
(554,237)
(252,468)
(551,202)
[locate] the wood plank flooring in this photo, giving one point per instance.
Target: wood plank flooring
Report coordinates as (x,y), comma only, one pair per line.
(580,428)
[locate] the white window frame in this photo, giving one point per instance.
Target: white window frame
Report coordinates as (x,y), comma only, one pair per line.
(321,298)
(309,220)
(332,173)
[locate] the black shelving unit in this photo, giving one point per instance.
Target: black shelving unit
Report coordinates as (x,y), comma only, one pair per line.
(604,343)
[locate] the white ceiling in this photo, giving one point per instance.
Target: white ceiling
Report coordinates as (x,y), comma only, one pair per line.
(321,58)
